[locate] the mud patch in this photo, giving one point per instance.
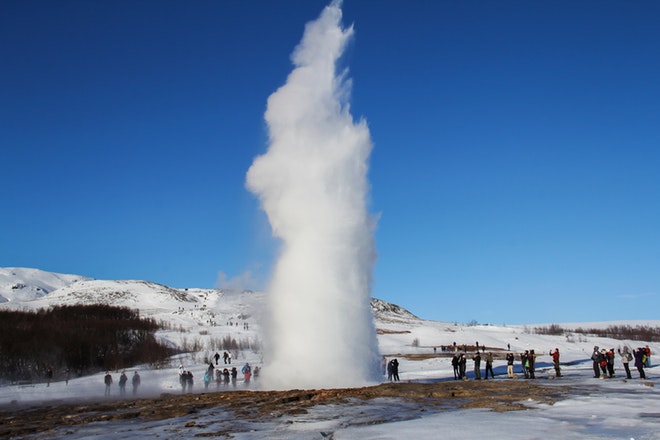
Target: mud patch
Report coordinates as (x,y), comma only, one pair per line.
(414,400)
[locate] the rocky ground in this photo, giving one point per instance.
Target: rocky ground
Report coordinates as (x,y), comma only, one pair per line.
(259,406)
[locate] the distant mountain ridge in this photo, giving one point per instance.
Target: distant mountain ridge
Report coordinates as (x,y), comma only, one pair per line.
(25,284)
(34,288)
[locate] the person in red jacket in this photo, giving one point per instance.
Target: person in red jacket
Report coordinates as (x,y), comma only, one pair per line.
(555,361)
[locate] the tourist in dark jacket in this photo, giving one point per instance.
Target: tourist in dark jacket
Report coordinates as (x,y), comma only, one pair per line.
(595,357)
(509,365)
(454,363)
(640,355)
(531,359)
(524,360)
(489,365)
(462,366)
(108,382)
(136,382)
(610,362)
(395,370)
(477,365)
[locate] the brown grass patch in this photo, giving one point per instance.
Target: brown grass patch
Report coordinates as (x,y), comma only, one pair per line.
(498,395)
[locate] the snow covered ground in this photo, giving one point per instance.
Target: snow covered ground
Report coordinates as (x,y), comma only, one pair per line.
(598,408)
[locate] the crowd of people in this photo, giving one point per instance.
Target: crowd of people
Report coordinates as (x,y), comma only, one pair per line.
(603,363)
(603,367)
(221,377)
(123,380)
(227,376)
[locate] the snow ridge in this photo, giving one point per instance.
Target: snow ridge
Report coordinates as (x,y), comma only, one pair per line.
(25,284)
(33,288)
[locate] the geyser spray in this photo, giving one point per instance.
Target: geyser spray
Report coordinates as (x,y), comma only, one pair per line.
(312,184)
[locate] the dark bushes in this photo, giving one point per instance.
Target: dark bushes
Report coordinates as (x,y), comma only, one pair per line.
(80,338)
(637,333)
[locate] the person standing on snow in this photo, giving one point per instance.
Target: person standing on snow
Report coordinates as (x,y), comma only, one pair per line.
(247,373)
(531,360)
(489,365)
(524,360)
(462,366)
(595,358)
(610,362)
(509,365)
(555,361)
(454,363)
(640,360)
(394,365)
(122,383)
(49,375)
(626,357)
(136,382)
(603,363)
(477,365)
(225,377)
(108,382)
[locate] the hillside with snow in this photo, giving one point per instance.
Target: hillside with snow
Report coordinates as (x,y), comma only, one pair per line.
(203,316)
(19,284)
(197,320)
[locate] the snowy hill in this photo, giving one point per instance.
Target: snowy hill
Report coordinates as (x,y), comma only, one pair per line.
(201,317)
(199,320)
(33,288)
(196,317)
(23,284)
(386,311)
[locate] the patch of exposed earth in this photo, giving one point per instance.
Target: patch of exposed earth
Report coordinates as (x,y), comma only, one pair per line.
(245,408)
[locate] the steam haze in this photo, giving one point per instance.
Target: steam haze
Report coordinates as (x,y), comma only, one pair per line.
(312,184)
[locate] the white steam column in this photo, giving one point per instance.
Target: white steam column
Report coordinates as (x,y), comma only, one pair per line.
(312,184)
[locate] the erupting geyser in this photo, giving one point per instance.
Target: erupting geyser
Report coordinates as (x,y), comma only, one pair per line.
(312,184)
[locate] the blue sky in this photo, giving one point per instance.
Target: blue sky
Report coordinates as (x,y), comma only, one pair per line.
(515,162)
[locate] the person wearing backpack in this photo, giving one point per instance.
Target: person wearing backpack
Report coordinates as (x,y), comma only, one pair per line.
(531,359)
(610,363)
(640,359)
(247,373)
(524,360)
